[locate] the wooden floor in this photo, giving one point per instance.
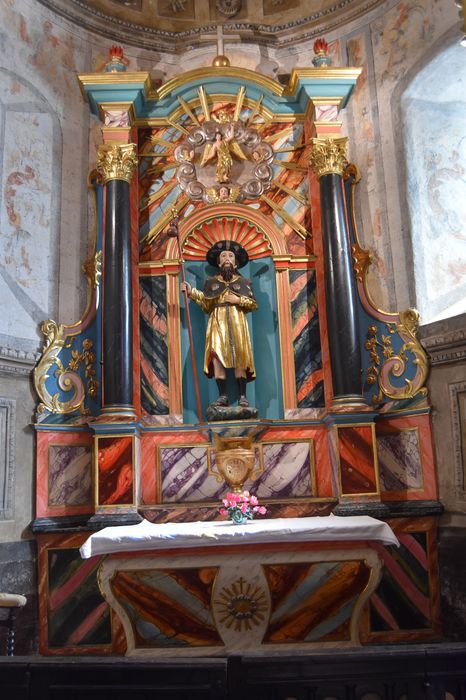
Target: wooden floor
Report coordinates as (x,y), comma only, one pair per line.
(381,673)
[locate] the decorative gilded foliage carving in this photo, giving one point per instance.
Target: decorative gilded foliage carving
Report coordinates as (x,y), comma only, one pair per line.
(388,364)
(328,156)
(117,162)
(59,338)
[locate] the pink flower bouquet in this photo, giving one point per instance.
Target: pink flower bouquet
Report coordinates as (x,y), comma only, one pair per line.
(241,507)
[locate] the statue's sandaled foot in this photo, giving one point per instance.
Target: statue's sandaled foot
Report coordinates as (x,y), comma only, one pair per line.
(242,401)
(221,401)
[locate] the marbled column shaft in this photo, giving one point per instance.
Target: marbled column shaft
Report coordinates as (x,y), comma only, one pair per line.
(117,316)
(345,352)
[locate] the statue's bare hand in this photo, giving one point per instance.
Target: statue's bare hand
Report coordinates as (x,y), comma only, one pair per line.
(186,287)
(231,298)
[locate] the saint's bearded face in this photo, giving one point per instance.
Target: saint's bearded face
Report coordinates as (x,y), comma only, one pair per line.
(227,264)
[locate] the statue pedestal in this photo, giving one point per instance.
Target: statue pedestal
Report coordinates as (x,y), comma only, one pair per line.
(221,413)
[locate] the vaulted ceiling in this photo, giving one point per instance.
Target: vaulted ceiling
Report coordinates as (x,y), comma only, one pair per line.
(174,25)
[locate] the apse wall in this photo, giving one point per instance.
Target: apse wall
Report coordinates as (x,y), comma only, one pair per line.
(48,144)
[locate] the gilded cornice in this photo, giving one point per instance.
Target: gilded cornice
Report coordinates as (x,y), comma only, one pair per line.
(328,156)
(117,162)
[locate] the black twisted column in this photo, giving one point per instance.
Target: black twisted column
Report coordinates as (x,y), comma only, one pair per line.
(116,164)
(328,160)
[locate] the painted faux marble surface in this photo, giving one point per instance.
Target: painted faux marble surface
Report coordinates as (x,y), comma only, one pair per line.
(77,614)
(306,339)
(168,608)
(400,464)
(403,599)
(357,464)
(287,473)
(154,345)
(315,601)
(115,464)
(185,475)
(70,471)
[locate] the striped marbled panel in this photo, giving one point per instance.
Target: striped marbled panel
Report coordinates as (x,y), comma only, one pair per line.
(313,602)
(400,463)
(77,614)
(306,339)
(69,475)
(185,475)
(115,464)
(402,599)
(357,463)
(287,473)
(168,608)
(154,345)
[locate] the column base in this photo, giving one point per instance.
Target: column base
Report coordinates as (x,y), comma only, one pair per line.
(117,412)
(349,403)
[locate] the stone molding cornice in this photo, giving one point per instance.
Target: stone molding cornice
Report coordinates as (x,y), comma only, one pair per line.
(17,363)
(274,35)
(446,347)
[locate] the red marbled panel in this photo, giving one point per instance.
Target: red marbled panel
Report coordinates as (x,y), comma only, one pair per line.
(115,464)
(357,460)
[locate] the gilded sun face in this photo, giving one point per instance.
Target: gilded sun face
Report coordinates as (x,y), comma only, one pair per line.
(241,605)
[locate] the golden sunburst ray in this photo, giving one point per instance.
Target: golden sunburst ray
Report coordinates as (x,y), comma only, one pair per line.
(255,111)
(204,104)
(239,103)
(178,127)
(188,111)
(164,220)
(289,166)
(287,218)
(293,193)
(161,192)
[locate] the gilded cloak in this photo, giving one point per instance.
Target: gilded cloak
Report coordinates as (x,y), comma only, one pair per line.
(227,335)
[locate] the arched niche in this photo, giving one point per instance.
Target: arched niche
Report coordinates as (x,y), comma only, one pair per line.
(263,243)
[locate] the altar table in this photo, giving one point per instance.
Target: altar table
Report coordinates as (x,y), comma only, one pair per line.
(214,588)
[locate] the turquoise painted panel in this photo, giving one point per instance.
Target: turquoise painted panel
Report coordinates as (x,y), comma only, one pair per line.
(266,391)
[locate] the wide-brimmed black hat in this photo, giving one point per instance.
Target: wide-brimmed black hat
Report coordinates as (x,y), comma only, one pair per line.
(240,253)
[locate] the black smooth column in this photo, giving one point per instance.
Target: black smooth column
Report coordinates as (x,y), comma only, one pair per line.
(345,352)
(117,315)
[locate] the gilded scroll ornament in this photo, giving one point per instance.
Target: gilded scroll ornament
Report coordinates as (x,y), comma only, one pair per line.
(117,162)
(328,156)
(59,337)
(386,363)
(68,378)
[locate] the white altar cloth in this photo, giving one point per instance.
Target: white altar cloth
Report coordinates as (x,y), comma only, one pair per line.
(149,536)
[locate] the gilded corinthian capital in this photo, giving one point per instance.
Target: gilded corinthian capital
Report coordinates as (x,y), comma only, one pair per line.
(116,162)
(328,156)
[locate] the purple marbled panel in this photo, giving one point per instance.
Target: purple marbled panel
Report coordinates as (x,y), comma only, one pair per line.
(400,461)
(185,475)
(70,470)
(287,471)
